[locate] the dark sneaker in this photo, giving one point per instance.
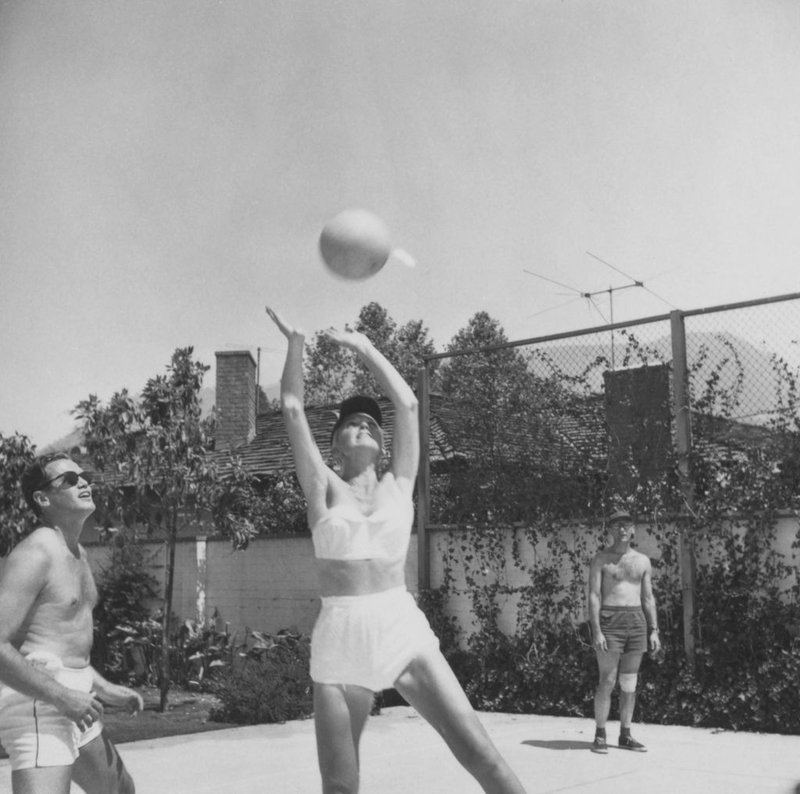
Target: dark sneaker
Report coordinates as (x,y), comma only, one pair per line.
(599,745)
(629,743)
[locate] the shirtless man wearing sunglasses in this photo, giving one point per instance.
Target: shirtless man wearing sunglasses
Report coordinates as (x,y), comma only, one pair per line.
(51,699)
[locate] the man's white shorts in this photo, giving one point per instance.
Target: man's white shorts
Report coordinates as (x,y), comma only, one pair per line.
(34,733)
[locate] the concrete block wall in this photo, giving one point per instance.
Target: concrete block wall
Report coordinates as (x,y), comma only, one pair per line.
(460,602)
(273,584)
(270,586)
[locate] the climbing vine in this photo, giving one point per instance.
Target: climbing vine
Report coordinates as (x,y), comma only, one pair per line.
(516,576)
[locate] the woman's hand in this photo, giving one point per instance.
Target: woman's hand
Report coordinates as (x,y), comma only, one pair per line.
(287,330)
(352,340)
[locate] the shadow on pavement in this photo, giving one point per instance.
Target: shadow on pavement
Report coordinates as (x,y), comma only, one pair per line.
(558,744)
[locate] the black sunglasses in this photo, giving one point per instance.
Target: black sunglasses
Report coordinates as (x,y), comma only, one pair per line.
(70,478)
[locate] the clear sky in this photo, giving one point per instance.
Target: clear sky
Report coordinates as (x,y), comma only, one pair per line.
(166,168)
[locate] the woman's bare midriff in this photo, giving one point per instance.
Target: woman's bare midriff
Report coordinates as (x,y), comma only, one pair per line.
(359,577)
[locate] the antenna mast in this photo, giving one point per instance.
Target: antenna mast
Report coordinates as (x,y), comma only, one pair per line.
(258,378)
(590,295)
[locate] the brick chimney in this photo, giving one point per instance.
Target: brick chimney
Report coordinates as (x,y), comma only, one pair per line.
(236,398)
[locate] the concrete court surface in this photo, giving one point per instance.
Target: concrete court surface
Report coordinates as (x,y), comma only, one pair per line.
(402,753)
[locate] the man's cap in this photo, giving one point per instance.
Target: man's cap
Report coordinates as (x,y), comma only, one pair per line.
(358,404)
(619,517)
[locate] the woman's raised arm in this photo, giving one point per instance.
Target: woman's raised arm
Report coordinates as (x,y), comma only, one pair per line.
(311,469)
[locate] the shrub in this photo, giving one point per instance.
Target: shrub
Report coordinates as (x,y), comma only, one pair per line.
(16,454)
(547,673)
(746,666)
(122,624)
(198,653)
(269,682)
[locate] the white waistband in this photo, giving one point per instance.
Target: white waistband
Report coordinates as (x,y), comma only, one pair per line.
(392,592)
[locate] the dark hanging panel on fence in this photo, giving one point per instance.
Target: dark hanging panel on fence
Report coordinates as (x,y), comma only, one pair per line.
(638,417)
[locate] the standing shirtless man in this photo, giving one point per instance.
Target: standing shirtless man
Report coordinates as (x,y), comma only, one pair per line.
(50,697)
(622,613)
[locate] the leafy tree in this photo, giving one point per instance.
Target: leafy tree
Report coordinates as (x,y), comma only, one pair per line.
(332,373)
(404,346)
(281,506)
(266,506)
(328,371)
(485,377)
(16,519)
(490,396)
(160,474)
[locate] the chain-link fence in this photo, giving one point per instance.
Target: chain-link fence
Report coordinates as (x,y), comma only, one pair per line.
(691,422)
(742,359)
(743,365)
(575,425)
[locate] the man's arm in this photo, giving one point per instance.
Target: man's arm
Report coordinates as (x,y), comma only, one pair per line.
(116,695)
(595,602)
(649,608)
(24,577)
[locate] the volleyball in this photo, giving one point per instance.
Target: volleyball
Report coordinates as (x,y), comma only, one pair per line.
(355,244)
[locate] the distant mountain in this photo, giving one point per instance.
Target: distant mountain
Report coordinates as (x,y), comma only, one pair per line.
(63,444)
(208,397)
(739,365)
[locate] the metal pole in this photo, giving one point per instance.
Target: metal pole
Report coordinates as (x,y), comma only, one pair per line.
(611,308)
(683,440)
(423,480)
(258,378)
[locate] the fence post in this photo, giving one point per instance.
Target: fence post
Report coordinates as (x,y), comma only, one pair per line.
(201,547)
(423,479)
(683,441)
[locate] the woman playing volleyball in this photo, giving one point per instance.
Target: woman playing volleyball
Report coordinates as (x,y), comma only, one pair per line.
(370,635)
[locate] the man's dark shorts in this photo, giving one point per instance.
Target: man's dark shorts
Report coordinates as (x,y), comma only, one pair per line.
(625,629)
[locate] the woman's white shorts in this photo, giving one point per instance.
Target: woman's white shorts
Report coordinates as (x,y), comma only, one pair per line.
(33,732)
(368,640)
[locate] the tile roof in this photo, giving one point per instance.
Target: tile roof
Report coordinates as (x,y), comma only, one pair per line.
(560,440)
(270,452)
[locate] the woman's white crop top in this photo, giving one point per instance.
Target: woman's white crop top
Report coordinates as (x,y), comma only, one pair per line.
(345,533)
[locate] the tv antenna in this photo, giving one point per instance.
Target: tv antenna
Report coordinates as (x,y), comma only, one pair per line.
(612,290)
(591,295)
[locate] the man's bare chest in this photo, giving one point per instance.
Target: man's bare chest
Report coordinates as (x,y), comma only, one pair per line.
(625,568)
(71,587)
